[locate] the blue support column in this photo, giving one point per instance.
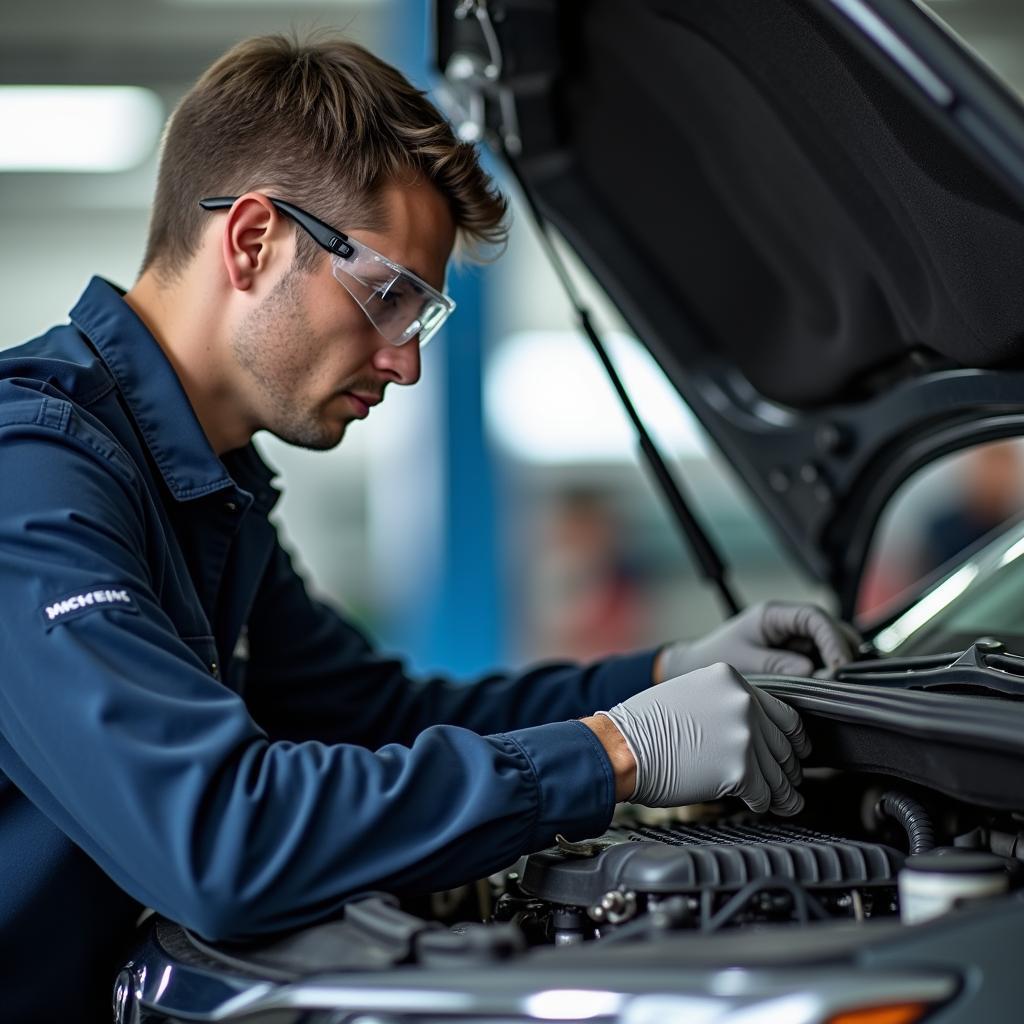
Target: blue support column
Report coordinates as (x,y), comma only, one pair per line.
(458,623)
(469,624)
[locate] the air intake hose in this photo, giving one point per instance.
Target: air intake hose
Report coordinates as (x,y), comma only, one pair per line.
(911,816)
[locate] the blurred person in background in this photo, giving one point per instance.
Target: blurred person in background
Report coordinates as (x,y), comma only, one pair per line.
(182,726)
(592,594)
(981,489)
(987,492)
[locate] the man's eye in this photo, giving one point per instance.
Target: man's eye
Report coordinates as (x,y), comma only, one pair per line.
(388,294)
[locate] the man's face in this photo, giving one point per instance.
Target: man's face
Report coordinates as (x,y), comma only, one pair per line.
(312,359)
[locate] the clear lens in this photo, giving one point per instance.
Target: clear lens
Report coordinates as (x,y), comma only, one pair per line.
(397,303)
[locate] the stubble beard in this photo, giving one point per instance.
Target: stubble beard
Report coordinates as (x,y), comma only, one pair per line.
(271,346)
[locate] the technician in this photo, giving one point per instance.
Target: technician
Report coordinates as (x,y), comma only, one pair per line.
(182,726)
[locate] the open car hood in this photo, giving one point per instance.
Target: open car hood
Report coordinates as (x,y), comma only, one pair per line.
(810,211)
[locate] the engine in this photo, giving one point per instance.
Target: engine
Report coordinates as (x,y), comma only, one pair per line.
(641,880)
(861,851)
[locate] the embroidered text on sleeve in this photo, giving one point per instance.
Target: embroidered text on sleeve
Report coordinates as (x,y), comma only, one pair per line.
(87,601)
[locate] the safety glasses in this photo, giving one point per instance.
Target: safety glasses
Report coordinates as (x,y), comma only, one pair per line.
(399,304)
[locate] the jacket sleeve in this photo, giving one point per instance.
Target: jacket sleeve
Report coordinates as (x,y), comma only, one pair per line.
(312,674)
(117,732)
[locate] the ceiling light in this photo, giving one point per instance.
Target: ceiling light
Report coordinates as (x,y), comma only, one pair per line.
(77,128)
(548,400)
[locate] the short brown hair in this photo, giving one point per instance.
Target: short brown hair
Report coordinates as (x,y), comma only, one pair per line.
(325,122)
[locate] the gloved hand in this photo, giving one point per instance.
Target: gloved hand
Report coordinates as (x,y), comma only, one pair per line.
(757,641)
(711,734)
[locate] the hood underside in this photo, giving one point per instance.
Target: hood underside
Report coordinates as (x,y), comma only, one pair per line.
(809,210)
(815,226)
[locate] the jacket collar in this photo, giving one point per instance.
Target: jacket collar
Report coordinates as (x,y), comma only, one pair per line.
(158,402)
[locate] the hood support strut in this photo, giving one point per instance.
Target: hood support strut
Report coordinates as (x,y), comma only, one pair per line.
(704,551)
(470,72)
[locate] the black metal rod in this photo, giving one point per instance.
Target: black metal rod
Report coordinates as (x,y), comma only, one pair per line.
(708,559)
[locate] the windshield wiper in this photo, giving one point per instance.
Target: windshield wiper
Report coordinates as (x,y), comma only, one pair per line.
(985,669)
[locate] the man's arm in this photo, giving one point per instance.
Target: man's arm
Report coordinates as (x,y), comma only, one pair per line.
(313,675)
(117,732)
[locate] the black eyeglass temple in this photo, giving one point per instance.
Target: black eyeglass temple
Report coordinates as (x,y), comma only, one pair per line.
(323,234)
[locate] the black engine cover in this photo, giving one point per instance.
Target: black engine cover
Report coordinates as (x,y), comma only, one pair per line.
(694,858)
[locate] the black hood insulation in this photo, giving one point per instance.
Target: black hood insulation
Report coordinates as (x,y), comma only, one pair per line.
(790,197)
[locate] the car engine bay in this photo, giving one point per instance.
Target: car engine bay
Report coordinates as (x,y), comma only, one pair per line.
(861,853)
(910,845)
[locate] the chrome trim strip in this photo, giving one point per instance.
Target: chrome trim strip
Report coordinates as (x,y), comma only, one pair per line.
(883,36)
(161,985)
(730,995)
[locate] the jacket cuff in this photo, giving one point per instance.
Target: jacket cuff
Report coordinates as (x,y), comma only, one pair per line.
(620,677)
(574,781)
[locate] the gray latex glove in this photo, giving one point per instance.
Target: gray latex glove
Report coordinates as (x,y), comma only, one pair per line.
(757,641)
(711,734)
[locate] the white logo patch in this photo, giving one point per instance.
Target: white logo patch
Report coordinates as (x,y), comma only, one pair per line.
(88,600)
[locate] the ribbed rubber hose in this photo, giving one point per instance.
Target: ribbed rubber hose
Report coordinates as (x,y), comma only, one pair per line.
(911,816)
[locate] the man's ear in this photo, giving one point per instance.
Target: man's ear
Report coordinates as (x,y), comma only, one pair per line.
(255,234)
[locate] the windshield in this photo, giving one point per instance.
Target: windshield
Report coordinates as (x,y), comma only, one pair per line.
(983,596)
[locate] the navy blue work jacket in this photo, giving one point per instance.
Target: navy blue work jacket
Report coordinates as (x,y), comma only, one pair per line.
(145,760)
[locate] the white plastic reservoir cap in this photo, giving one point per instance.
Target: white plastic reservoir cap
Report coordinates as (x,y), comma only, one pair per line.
(932,884)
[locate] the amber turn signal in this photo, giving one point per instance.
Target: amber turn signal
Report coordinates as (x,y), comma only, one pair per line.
(893,1013)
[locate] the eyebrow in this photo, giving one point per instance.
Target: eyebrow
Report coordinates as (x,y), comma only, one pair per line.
(414,270)
(407,266)
(419,273)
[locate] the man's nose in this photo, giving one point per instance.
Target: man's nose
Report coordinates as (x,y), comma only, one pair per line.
(400,362)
